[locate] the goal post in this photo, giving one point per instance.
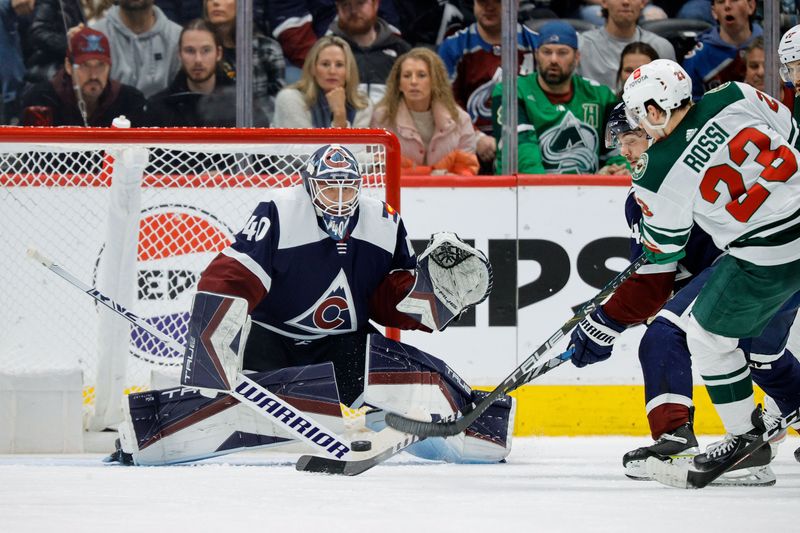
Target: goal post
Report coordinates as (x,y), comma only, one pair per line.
(138,213)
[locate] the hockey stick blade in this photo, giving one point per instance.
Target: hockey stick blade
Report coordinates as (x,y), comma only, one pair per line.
(354,467)
(683,477)
(455,424)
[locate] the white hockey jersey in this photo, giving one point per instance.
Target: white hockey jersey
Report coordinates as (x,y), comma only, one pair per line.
(731,166)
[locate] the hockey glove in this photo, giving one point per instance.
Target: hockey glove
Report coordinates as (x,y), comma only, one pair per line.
(594,338)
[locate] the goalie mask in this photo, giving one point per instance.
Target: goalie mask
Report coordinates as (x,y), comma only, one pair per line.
(333,181)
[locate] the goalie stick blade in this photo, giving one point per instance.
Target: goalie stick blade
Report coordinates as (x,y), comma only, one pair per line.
(389,441)
(341,467)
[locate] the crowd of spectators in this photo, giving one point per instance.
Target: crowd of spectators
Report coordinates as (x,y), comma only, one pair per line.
(430,71)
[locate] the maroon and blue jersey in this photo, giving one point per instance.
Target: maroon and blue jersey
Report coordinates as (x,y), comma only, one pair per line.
(474,68)
(301,283)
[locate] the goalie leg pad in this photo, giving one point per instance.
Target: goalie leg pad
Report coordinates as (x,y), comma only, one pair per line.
(451,277)
(218,330)
(180,424)
(406,380)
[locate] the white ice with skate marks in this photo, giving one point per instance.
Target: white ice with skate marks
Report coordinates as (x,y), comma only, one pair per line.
(549,484)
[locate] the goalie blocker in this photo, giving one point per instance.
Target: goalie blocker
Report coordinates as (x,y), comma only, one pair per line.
(451,277)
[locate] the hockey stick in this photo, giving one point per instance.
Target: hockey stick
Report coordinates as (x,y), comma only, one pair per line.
(388,442)
(353,467)
(245,390)
(453,425)
(680,476)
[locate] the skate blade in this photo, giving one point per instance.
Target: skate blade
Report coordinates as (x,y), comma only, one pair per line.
(668,473)
(756,476)
(637,470)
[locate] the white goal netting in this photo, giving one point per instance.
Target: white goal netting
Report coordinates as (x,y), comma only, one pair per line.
(137,214)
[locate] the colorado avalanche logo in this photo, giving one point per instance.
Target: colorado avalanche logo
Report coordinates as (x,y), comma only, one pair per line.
(336,158)
(333,312)
(571,146)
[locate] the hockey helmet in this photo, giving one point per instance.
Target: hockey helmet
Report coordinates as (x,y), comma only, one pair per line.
(789,52)
(333,181)
(664,82)
(618,124)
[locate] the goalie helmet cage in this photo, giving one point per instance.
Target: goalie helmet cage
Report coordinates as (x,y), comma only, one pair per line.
(138,213)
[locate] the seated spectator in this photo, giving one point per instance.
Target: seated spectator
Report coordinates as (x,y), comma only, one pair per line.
(472,58)
(436,136)
(13,69)
(144,45)
(327,94)
(83,83)
(717,58)
(374,43)
(562,115)
(200,95)
(592,11)
(753,57)
(268,65)
(601,48)
(297,23)
(48,36)
(633,56)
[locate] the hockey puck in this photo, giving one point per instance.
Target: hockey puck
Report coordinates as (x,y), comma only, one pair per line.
(361,445)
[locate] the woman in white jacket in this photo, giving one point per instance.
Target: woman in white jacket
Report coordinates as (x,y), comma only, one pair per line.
(327,95)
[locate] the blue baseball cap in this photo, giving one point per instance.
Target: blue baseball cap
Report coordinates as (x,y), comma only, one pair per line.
(558,32)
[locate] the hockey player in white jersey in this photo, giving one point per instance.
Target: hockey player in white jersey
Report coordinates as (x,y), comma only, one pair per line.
(730,165)
(289,302)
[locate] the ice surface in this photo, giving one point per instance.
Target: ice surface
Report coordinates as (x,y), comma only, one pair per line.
(548,484)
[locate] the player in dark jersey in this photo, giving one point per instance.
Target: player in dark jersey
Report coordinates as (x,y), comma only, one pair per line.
(294,295)
(663,353)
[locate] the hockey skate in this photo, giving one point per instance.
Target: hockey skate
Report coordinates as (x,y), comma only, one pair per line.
(676,446)
(118,456)
(753,471)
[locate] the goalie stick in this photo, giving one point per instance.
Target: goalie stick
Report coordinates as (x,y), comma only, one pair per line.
(245,390)
(388,442)
(453,424)
(682,477)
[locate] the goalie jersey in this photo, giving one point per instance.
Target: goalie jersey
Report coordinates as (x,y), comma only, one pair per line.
(301,283)
(731,165)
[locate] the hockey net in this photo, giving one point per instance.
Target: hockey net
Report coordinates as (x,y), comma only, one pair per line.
(138,214)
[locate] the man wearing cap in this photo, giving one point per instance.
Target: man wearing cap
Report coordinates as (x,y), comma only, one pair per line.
(562,116)
(81,94)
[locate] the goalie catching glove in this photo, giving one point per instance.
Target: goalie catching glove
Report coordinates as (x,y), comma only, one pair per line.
(451,277)
(594,338)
